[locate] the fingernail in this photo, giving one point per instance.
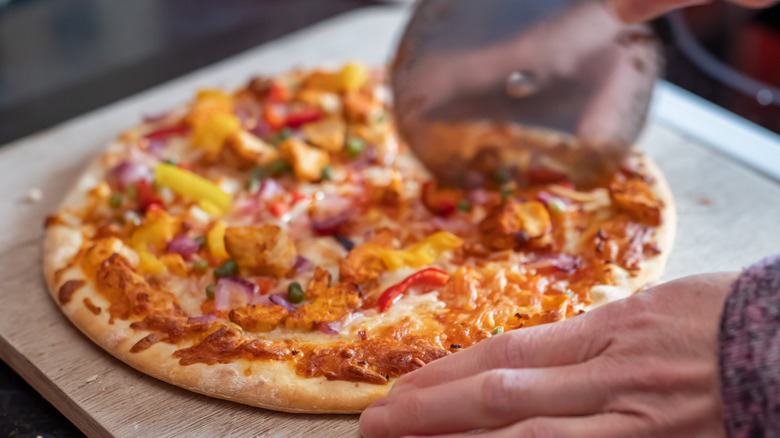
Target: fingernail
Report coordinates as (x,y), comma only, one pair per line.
(373,422)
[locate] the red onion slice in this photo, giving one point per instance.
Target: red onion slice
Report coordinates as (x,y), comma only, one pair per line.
(127,173)
(454,226)
(233,292)
(302,264)
(262,300)
(329,225)
(156,147)
(203,319)
(330,328)
(184,246)
(281,300)
(262,130)
(270,189)
(546,197)
(562,262)
(478,196)
(566,263)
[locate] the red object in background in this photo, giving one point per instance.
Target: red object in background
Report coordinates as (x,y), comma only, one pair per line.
(757,53)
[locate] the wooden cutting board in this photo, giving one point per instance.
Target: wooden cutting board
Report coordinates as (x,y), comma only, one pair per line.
(729,217)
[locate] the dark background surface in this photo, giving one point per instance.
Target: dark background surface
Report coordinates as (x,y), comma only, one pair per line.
(61,58)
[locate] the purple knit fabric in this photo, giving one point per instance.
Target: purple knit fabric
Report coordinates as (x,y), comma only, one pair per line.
(750,352)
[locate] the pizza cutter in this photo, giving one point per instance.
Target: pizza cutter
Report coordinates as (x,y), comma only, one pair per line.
(534,91)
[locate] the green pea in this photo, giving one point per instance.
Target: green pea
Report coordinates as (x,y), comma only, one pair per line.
(116,200)
(503,176)
(131,192)
(355,147)
(295,292)
(200,265)
(279,167)
(464,205)
(252,185)
(327,173)
(506,194)
(498,330)
(258,173)
(228,269)
(169,162)
(201,241)
(210,289)
(283,135)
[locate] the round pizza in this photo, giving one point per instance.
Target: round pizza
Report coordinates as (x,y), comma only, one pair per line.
(279,246)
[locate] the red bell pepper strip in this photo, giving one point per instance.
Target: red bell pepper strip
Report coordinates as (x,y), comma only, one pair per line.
(308,115)
(279,93)
(426,277)
(542,175)
(273,117)
(297,196)
(440,201)
(279,209)
(147,197)
(169,131)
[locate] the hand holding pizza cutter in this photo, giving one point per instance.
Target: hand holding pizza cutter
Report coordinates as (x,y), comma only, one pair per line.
(536,92)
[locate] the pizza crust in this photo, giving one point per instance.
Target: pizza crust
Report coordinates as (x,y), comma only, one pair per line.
(652,268)
(265,384)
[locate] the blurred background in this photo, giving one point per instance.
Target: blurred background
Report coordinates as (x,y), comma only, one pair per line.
(62,58)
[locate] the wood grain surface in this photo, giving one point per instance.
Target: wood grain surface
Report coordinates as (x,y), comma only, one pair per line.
(729,217)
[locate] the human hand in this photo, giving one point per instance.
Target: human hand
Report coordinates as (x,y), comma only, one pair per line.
(632,11)
(644,366)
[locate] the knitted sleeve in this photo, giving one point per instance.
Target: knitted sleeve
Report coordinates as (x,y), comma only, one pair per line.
(750,352)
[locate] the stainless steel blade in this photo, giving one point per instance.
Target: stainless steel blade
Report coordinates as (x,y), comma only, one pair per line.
(529,88)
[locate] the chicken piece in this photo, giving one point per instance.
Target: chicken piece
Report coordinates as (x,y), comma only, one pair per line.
(359,108)
(323,81)
(307,161)
(635,198)
(361,264)
(244,151)
(328,102)
(513,224)
(265,250)
(327,134)
(390,194)
(256,318)
(373,133)
(330,305)
(318,284)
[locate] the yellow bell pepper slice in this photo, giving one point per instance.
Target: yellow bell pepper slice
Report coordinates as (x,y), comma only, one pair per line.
(208,103)
(156,232)
(216,240)
(195,187)
(421,253)
(353,76)
(211,132)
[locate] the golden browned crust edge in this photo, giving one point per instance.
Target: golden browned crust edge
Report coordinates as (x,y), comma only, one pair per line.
(271,385)
(652,268)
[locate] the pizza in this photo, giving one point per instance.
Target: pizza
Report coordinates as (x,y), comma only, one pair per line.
(279,246)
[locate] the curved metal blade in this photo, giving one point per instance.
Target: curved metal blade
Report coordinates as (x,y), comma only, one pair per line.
(522,86)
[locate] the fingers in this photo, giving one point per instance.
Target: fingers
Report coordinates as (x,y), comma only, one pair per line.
(634,11)
(489,400)
(598,426)
(565,343)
